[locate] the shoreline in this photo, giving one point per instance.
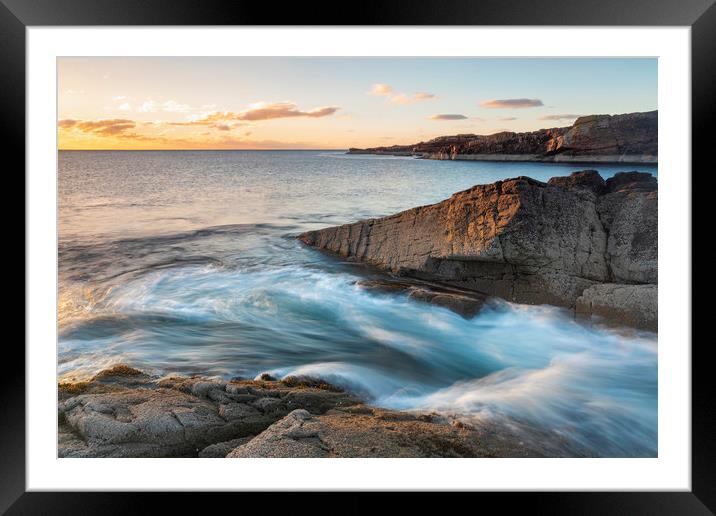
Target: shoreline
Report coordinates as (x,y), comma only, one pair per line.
(124,412)
(523,158)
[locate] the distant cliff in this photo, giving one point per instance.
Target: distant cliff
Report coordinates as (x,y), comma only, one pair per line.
(628,138)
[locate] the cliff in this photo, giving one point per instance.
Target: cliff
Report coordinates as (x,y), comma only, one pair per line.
(627,138)
(578,242)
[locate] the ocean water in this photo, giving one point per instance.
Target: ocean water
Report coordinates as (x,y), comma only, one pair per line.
(186,262)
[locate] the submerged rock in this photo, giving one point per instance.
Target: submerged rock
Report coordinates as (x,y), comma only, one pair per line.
(521,240)
(463,302)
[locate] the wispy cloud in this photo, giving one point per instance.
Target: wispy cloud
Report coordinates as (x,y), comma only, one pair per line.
(511,103)
(170,106)
(386,90)
(381,90)
(403,99)
(448,117)
(560,117)
(508,118)
(148,106)
(173,106)
(263,111)
(103,127)
(269,111)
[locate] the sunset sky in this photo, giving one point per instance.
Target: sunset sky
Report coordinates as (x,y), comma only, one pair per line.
(332,103)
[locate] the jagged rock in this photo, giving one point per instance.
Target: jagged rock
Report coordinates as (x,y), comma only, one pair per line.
(589,180)
(518,239)
(631,137)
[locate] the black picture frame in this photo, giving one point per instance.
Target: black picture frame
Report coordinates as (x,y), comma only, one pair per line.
(700,15)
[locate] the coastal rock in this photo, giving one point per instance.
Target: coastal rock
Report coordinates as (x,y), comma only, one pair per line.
(304,417)
(220,450)
(631,305)
(371,432)
(463,302)
(518,239)
(175,416)
(631,137)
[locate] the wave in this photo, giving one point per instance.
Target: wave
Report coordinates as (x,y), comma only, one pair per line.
(594,387)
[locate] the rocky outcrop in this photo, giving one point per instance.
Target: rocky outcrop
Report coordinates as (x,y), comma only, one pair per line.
(126,413)
(627,138)
(129,414)
(523,240)
(362,431)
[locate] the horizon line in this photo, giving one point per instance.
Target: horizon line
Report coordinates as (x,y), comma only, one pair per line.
(194,150)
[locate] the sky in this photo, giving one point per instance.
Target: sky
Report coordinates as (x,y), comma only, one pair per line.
(333,103)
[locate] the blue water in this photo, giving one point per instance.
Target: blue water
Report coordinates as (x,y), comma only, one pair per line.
(187,262)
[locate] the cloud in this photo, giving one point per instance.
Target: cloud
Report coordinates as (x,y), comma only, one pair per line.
(262,111)
(508,118)
(174,107)
(403,99)
(560,117)
(119,97)
(124,107)
(170,106)
(448,117)
(381,90)
(269,111)
(385,90)
(104,127)
(148,106)
(422,95)
(511,103)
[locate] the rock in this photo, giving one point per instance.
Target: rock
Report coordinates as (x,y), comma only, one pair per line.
(631,137)
(631,181)
(463,302)
(221,450)
(372,432)
(518,239)
(289,437)
(631,305)
(589,180)
(164,418)
(175,416)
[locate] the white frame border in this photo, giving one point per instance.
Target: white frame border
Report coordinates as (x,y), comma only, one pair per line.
(670,471)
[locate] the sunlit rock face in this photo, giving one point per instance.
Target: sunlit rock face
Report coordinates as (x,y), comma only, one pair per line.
(520,239)
(631,137)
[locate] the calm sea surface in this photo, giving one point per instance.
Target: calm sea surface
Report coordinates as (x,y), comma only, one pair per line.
(187,262)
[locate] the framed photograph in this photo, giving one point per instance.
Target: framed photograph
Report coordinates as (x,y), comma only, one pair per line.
(442,247)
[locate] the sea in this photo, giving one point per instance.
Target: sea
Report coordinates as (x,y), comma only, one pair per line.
(186,262)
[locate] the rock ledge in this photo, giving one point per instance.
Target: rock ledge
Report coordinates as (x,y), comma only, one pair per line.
(527,242)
